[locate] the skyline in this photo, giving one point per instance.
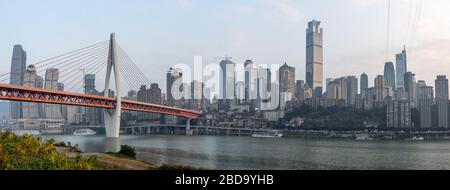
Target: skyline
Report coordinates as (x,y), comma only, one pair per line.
(160,44)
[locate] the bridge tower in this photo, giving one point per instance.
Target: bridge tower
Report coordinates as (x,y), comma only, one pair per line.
(112,117)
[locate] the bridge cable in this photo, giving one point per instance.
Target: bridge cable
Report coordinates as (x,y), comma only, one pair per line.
(125,74)
(66,55)
(138,77)
(65,63)
(94,65)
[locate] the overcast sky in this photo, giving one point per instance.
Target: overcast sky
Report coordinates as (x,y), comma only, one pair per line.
(160,33)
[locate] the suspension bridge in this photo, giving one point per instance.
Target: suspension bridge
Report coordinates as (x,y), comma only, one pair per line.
(91,59)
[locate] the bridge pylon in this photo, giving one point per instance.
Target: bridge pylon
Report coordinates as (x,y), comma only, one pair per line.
(112,116)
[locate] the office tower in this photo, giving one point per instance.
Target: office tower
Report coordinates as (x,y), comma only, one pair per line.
(174,83)
(287,79)
(89,83)
(379,88)
(240,92)
(389,75)
(228,79)
(30,110)
(299,89)
(197,98)
(63,108)
(419,85)
(441,85)
(51,83)
(40,84)
(18,64)
(425,103)
(263,86)
(154,97)
(410,88)
(352,90)
(142,97)
(251,80)
(314,57)
(173,75)
(398,114)
(401,68)
(364,84)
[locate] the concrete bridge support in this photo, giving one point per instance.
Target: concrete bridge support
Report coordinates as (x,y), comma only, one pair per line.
(112,117)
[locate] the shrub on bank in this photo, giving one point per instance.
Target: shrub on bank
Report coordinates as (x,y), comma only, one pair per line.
(128,151)
(27,153)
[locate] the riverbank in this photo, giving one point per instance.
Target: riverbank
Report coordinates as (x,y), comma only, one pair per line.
(111,161)
(377,135)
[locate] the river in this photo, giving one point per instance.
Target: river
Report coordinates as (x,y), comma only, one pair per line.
(221,152)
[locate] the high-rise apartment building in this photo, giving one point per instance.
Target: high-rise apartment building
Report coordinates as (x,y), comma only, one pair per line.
(30,109)
(441,87)
(51,83)
(425,103)
(364,84)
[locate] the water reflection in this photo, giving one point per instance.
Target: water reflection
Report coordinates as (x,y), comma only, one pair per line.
(287,153)
(111,144)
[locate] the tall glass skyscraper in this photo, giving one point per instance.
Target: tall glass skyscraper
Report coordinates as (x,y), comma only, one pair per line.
(228,79)
(401,68)
(389,75)
(314,57)
(18,64)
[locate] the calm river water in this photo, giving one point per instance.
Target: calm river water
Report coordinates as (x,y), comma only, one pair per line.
(213,152)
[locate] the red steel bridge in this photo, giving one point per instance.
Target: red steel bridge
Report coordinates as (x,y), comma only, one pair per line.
(90,60)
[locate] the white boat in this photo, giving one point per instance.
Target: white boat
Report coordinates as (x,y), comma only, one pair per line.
(416,139)
(84,132)
(364,137)
(275,134)
(26,132)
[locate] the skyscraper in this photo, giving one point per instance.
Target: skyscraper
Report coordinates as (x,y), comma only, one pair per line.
(425,103)
(155,97)
(51,83)
(263,86)
(228,77)
(401,68)
(352,90)
(410,88)
(441,85)
(364,84)
(18,64)
(379,88)
(197,99)
(299,89)
(251,80)
(389,75)
(287,79)
(173,75)
(89,83)
(314,57)
(30,110)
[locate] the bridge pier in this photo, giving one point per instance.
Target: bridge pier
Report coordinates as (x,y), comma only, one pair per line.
(112,117)
(188,127)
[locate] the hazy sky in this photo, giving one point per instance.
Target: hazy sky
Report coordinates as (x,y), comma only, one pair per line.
(160,33)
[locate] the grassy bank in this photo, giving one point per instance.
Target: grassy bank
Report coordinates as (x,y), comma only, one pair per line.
(30,153)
